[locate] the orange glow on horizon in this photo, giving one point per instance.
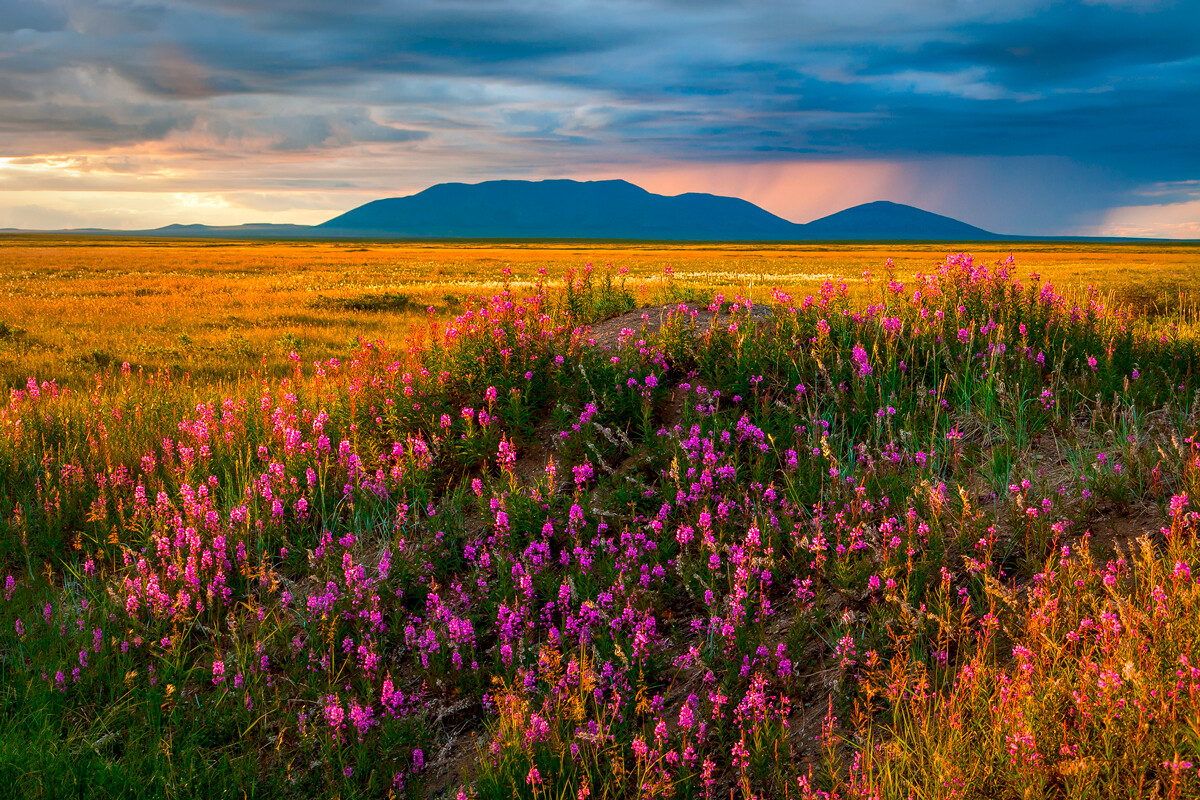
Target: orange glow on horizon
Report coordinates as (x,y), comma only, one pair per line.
(797,191)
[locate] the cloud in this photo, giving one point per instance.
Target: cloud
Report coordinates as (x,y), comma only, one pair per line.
(31,15)
(1165,220)
(390,93)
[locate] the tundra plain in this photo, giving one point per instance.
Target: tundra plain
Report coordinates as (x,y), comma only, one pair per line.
(471,521)
(217,309)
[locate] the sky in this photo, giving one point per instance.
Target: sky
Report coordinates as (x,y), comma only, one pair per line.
(1017,116)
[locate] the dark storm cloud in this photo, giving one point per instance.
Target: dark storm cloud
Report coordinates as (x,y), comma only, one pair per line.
(18,15)
(1114,86)
(1064,46)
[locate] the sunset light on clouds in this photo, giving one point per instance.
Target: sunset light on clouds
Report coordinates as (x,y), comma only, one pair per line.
(1020,117)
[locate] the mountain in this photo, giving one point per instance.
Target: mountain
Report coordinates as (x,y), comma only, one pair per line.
(253,230)
(564,209)
(561,209)
(885,220)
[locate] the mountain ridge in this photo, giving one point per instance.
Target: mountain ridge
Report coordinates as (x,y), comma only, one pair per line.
(617,209)
(614,209)
(892,221)
(560,209)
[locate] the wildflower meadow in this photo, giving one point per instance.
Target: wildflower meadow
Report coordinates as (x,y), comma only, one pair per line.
(932,537)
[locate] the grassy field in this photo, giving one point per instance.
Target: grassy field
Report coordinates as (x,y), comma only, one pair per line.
(928,532)
(69,305)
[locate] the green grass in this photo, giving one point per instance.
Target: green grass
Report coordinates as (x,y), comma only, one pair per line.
(934,540)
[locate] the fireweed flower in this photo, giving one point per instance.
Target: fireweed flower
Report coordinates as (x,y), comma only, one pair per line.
(861,361)
(335,716)
(1178,504)
(538,595)
(362,718)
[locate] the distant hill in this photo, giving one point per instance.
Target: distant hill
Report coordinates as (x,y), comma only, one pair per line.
(254,230)
(561,209)
(564,209)
(885,220)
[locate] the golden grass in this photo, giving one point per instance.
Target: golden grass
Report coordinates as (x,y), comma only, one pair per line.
(70,304)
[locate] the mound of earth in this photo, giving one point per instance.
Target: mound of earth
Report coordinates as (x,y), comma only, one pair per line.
(650,320)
